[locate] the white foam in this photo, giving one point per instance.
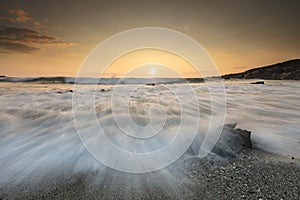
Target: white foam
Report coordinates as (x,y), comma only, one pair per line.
(37,132)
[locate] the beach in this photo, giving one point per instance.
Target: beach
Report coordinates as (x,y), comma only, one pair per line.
(149,100)
(43,156)
(252,175)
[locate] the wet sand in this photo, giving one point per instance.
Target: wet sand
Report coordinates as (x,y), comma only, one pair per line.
(254,174)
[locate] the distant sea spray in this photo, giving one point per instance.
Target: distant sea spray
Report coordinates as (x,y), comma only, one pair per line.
(104,81)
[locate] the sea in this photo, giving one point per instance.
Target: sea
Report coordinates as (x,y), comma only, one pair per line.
(53,123)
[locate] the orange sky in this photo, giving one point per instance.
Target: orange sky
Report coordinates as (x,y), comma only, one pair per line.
(151,63)
(52,38)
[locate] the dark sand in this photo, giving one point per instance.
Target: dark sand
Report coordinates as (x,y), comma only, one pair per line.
(252,175)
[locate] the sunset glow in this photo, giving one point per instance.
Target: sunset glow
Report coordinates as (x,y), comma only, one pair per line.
(149,99)
(153,62)
(55,42)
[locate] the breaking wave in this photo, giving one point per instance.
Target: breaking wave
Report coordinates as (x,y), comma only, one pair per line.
(38,134)
(100,81)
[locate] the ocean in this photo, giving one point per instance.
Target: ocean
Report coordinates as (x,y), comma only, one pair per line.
(39,120)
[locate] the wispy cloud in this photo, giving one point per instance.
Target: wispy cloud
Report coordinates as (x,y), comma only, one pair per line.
(21,15)
(9,47)
(17,15)
(37,25)
(180,28)
(264,51)
(23,40)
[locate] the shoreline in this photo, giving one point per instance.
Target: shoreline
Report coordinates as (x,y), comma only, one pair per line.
(45,154)
(254,174)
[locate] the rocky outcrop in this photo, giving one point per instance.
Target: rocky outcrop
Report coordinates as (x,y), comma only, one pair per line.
(289,70)
(230,143)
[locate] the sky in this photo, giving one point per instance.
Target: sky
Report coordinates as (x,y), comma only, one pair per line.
(53,38)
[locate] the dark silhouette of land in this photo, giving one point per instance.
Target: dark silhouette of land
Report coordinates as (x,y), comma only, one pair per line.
(289,70)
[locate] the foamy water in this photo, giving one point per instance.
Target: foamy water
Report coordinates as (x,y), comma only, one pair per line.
(38,134)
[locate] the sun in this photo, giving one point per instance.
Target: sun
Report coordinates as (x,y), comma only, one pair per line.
(152,71)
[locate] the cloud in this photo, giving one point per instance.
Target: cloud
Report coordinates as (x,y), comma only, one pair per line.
(18,16)
(9,47)
(7,19)
(21,15)
(37,25)
(24,40)
(263,51)
(180,28)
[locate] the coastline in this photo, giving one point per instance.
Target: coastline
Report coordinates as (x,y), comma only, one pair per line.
(254,174)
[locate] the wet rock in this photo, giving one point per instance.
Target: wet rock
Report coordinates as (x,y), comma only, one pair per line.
(150,84)
(258,82)
(64,91)
(104,90)
(232,141)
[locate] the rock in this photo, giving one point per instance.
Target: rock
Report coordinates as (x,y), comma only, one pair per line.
(104,90)
(150,84)
(64,91)
(258,82)
(289,70)
(232,141)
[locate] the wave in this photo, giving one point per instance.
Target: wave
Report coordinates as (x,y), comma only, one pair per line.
(38,134)
(100,81)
